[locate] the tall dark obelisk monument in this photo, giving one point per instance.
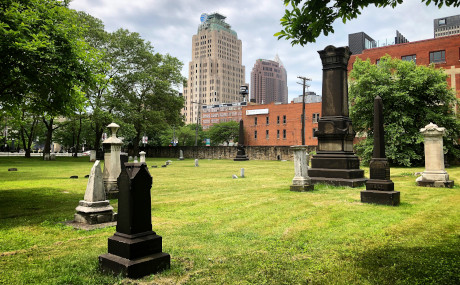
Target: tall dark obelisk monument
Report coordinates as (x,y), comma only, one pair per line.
(379,188)
(335,163)
(241,148)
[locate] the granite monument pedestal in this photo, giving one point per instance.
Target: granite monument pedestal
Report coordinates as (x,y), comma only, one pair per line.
(134,250)
(379,188)
(335,163)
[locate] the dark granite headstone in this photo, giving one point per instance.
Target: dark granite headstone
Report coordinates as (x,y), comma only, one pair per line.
(123,159)
(335,163)
(74,177)
(241,149)
(134,250)
(379,188)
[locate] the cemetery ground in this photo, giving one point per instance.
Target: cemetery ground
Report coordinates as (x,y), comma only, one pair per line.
(220,230)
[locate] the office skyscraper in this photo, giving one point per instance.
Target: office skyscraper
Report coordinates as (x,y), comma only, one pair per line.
(216,71)
(269,81)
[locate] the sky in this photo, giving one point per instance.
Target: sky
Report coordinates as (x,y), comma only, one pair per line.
(170,24)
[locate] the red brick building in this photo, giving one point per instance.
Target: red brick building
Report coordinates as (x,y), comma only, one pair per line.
(280,124)
(215,114)
(444,52)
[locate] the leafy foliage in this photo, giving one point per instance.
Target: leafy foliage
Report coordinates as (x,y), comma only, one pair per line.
(223,132)
(306,20)
(413,96)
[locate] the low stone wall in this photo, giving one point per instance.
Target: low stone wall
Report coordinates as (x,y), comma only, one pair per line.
(225,152)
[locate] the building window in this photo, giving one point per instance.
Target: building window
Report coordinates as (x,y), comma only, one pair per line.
(255,134)
(284,134)
(284,119)
(266,134)
(377,61)
(409,58)
(278,120)
(315,117)
(314,130)
(438,56)
(266,120)
(441,22)
(277,134)
(255,121)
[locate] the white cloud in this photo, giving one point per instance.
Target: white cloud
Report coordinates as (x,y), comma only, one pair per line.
(170,25)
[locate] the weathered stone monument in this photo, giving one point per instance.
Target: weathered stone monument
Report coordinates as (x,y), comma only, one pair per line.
(142,156)
(92,155)
(241,148)
(242,173)
(379,188)
(196,162)
(435,174)
(112,166)
(181,155)
(335,163)
(301,181)
(94,209)
(135,159)
(134,250)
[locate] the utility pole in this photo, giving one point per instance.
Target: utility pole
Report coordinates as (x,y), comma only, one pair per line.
(304,84)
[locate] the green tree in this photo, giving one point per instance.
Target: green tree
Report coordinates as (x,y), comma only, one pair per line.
(223,132)
(306,20)
(413,96)
(98,94)
(144,91)
(44,60)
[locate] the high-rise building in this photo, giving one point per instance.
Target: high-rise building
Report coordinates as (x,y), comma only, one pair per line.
(269,82)
(358,42)
(216,71)
(446,26)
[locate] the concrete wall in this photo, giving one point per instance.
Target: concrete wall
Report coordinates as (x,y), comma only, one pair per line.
(225,152)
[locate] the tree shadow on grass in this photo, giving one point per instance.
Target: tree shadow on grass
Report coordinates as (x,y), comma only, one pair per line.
(35,205)
(437,264)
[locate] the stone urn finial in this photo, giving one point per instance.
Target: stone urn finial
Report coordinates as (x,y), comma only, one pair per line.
(114,128)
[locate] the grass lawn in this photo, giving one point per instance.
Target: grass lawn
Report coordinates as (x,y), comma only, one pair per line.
(220,230)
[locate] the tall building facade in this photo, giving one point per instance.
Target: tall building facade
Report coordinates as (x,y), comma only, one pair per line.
(269,82)
(216,71)
(446,26)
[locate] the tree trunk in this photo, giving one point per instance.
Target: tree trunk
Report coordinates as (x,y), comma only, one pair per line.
(49,135)
(136,142)
(78,138)
(98,134)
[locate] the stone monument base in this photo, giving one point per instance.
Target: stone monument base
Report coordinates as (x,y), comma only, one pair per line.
(390,198)
(439,184)
(381,185)
(302,188)
(135,256)
(94,212)
(241,158)
(356,182)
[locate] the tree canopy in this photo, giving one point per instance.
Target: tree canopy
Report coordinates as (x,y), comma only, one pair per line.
(306,20)
(223,132)
(413,96)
